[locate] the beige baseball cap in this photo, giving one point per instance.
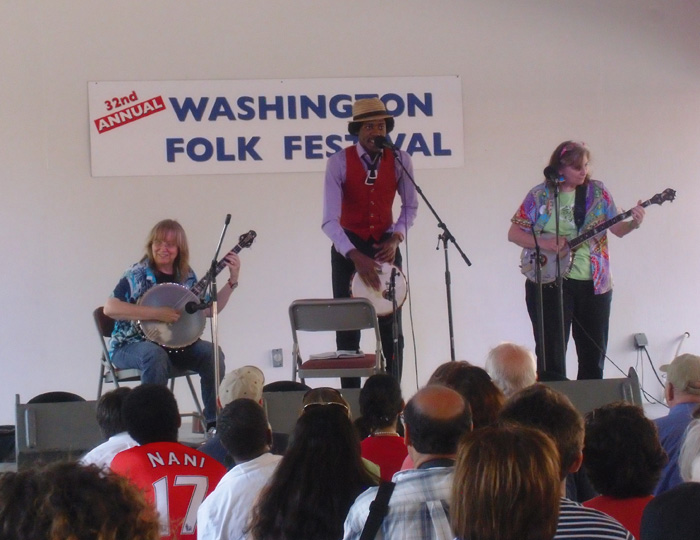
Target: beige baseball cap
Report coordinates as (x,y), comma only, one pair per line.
(684,373)
(244,382)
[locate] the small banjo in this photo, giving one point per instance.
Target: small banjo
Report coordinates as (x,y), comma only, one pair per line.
(548,258)
(381,299)
(189,326)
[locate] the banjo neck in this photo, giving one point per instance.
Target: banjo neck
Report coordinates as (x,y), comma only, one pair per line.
(603,226)
(244,241)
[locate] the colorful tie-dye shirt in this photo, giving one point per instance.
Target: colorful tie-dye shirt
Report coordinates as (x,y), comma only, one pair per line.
(538,207)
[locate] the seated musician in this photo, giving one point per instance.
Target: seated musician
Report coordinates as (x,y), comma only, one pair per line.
(166,261)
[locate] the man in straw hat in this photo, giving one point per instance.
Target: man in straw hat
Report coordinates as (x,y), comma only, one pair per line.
(683,397)
(360,186)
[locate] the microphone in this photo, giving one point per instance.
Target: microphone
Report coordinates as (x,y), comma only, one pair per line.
(194,307)
(551,174)
(382,142)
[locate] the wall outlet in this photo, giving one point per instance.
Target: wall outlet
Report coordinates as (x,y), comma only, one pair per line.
(640,340)
(277,358)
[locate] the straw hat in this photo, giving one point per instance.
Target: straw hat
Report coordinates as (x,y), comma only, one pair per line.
(365,110)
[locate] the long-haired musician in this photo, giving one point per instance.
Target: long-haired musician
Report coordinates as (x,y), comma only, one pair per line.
(360,185)
(587,290)
(166,260)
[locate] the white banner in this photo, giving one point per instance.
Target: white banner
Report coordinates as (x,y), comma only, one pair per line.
(156,128)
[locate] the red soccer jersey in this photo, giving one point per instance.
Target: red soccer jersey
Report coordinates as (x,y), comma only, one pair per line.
(175,478)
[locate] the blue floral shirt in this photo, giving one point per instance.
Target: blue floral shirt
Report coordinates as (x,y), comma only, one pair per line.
(131,287)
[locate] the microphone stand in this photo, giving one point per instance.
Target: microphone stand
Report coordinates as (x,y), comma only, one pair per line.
(211,276)
(394,324)
(560,283)
(446,237)
(540,300)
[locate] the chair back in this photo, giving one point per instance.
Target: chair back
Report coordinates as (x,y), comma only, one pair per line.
(336,314)
(104,323)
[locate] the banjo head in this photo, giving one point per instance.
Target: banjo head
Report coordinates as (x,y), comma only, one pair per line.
(380,298)
(189,326)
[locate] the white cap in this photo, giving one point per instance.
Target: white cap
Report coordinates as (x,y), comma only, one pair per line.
(244,382)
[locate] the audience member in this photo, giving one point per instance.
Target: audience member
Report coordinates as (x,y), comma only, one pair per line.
(66,500)
(434,419)
(673,515)
(506,485)
(683,396)
(512,367)
(540,407)
(244,382)
(324,396)
(174,477)
(623,459)
(689,456)
(109,418)
(380,405)
(246,434)
(317,480)
(475,386)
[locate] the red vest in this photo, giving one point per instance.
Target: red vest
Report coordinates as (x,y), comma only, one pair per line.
(367,210)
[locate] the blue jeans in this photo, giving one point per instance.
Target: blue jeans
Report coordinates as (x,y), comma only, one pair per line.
(155,365)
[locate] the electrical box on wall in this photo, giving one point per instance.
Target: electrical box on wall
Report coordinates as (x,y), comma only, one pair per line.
(277,358)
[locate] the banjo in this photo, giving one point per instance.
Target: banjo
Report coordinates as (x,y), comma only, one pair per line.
(189,327)
(547,262)
(381,299)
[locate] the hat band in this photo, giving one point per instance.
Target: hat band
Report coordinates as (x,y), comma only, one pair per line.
(371,114)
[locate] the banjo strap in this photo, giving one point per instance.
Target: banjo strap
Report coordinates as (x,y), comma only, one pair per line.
(580,205)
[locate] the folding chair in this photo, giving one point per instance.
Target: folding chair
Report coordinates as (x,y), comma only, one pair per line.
(109,373)
(319,315)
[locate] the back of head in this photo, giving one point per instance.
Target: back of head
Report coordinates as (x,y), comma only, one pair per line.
(475,386)
(316,482)
(506,485)
(622,452)
(435,418)
(244,430)
(380,401)
(244,382)
(684,374)
(68,500)
(689,457)
(323,396)
(552,412)
(151,414)
(109,411)
(512,367)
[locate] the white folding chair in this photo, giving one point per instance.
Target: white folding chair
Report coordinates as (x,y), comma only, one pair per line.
(334,314)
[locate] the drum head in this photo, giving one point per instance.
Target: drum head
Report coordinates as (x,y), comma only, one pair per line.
(189,326)
(380,298)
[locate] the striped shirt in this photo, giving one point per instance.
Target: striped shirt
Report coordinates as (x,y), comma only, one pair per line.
(580,523)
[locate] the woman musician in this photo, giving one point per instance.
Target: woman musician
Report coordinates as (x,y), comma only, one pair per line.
(587,287)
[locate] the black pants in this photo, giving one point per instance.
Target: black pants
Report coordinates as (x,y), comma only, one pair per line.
(586,312)
(342,270)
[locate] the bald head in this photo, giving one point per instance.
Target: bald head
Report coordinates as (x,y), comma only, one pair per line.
(512,367)
(435,418)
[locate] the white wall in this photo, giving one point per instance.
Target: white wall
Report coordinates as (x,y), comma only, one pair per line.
(624,76)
